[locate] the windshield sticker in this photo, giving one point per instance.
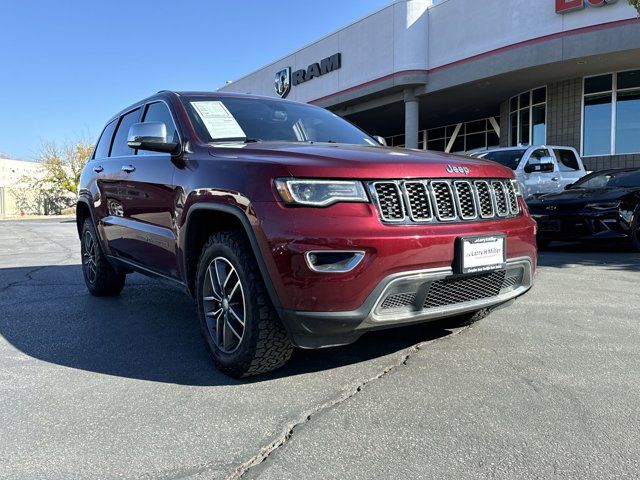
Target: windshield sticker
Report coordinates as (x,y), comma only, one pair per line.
(218,120)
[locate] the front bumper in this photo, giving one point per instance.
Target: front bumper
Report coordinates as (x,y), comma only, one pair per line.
(609,225)
(411,297)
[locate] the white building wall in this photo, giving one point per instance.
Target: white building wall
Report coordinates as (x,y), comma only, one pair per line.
(387,41)
(460,29)
(423,35)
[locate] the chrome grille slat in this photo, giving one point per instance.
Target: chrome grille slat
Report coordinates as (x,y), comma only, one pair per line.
(500,195)
(514,209)
(418,201)
(485,199)
(389,201)
(444,200)
(465,199)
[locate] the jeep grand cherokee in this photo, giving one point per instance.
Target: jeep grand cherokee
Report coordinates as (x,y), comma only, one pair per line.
(293,228)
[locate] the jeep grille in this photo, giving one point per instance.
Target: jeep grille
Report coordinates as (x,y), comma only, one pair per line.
(420,201)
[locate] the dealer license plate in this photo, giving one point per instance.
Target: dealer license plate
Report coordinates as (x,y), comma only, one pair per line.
(481,254)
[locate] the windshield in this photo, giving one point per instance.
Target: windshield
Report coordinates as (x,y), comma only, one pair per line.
(619,179)
(233,119)
(508,158)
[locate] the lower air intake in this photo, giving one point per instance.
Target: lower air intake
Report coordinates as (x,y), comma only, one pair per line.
(454,290)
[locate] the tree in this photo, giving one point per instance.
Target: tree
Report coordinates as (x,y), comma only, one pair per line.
(35,196)
(636,4)
(63,165)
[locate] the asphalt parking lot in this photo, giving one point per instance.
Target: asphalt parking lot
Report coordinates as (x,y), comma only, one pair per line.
(123,388)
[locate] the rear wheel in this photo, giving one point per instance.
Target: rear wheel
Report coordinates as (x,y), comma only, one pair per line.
(242,330)
(101,278)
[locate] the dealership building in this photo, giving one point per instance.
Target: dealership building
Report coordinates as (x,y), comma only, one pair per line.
(466,75)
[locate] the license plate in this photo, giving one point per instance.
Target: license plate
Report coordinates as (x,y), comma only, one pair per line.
(481,254)
(549,225)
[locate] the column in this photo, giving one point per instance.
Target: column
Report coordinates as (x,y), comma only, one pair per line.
(411,118)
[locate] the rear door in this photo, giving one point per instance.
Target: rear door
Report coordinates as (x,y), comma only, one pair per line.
(148,198)
(570,167)
(115,188)
(539,182)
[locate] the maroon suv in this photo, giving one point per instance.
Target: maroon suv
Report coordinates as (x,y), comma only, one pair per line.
(292,227)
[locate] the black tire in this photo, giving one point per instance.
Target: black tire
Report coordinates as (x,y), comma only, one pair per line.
(101,278)
(635,230)
(264,344)
(465,319)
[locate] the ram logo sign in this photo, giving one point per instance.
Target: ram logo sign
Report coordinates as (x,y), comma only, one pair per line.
(285,79)
(283,82)
(565,6)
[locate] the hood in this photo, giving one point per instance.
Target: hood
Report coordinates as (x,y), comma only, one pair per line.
(578,196)
(324,160)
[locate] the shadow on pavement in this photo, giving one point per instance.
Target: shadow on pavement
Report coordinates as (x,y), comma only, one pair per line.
(149,332)
(615,257)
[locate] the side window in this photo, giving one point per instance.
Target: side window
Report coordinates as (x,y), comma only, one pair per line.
(567,161)
(120,147)
(540,153)
(102,148)
(159,112)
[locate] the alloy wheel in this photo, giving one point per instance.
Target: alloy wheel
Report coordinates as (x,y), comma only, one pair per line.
(224,305)
(89,256)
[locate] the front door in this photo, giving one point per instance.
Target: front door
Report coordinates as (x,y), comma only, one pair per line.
(141,220)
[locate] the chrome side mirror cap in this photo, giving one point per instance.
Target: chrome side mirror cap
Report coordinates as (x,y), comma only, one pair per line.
(150,136)
(539,165)
(380,140)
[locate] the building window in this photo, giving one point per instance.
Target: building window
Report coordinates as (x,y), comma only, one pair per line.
(467,137)
(611,114)
(528,118)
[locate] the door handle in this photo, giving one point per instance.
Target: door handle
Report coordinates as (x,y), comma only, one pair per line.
(555,179)
(128,168)
(98,169)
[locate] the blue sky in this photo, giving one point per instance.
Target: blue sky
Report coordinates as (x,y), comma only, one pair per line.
(67,66)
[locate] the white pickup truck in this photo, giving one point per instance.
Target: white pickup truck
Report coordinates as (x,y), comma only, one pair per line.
(539,169)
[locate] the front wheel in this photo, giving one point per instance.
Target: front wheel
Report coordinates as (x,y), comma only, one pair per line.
(242,330)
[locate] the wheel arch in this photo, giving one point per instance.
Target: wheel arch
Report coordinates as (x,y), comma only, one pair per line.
(203,220)
(83,211)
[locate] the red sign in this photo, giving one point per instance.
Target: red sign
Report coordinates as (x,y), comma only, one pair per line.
(565,6)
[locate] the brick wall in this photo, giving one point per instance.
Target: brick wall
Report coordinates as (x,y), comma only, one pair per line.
(612,161)
(564,116)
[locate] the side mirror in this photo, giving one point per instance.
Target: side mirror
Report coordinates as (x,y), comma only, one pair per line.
(380,140)
(539,165)
(150,136)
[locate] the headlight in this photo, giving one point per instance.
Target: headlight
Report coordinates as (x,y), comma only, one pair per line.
(320,193)
(517,187)
(603,205)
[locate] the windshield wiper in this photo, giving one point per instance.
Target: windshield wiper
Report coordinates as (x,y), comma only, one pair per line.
(252,140)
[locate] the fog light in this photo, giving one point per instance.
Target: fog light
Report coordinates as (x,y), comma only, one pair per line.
(333,261)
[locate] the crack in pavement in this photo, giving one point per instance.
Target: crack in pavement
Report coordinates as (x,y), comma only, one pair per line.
(265,452)
(19,282)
